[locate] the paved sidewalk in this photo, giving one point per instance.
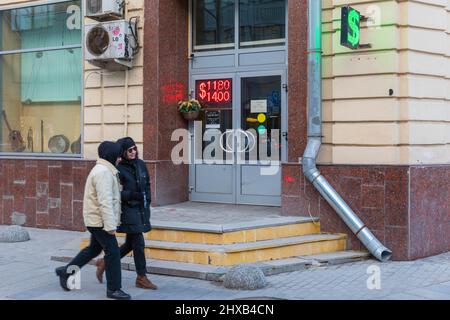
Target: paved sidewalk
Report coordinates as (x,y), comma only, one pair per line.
(26,272)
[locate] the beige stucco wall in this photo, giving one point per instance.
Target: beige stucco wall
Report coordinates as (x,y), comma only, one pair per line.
(111,108)
(410,54)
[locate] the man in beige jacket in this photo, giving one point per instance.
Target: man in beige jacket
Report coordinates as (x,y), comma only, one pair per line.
(101,213)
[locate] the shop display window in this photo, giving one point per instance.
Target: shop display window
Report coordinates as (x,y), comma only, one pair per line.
(41,79)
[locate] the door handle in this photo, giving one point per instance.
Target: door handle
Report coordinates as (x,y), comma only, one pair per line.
(285,135)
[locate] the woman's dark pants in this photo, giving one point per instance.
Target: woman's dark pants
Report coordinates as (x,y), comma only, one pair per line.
(135,242)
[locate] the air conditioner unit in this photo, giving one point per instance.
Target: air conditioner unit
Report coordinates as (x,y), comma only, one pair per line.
(101,10)
(111,44)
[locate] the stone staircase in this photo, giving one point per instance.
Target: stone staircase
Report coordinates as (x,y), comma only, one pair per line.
(227,244)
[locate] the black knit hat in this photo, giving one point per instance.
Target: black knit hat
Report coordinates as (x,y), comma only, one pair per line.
(125,144)
(109,151)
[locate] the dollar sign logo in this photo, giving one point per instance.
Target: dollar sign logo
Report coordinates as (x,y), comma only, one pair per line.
(353,23)
(202,93)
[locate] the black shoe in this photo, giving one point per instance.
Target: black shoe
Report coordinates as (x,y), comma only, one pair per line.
(61,272)
(118,295)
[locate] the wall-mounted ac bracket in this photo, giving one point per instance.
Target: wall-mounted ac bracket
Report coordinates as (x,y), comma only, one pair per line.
(113,64)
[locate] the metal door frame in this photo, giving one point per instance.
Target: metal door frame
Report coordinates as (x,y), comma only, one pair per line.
(193,195)
(262,199)
(236,197)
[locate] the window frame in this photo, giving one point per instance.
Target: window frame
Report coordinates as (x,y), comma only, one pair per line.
(51,156)
(237,45)
(214,47)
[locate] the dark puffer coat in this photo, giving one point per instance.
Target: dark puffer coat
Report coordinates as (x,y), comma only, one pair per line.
(135,197)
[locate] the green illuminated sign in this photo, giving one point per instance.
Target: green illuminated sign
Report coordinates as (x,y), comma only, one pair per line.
(261,129)
(350,27)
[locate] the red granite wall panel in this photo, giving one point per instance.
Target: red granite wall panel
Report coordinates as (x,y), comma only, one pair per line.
(406,207)
(49,193)
(297,77)
(430,210)
(166,81)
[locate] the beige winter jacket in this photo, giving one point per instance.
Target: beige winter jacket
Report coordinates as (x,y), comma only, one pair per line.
(101,203)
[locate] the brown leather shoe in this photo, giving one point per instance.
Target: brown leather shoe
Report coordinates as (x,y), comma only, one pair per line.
(144,283)
(100,269)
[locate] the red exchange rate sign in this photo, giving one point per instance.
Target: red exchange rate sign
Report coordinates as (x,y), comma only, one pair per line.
(214,93)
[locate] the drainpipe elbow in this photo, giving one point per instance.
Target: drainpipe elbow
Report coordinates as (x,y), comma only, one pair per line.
(309,169)
(309,158)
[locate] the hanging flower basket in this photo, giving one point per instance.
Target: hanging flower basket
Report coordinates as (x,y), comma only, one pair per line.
(189,109)
(192,115)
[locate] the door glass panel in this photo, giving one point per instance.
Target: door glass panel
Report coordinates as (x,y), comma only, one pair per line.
(216,99)
(261,115)
(262,23)
(215,124)
(213,24)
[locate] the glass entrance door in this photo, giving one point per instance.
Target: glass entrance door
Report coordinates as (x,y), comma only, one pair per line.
(260,150)
(239,141)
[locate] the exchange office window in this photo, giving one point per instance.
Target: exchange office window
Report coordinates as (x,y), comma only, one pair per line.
(41,78)
(262,22)
(213,24)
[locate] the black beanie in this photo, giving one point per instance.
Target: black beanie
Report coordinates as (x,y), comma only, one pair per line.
(125,144)
(109,151)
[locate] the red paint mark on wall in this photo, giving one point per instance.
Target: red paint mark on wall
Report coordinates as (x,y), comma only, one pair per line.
(289,179)
(172,93)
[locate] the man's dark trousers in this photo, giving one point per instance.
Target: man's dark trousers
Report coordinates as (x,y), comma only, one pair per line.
(102,240)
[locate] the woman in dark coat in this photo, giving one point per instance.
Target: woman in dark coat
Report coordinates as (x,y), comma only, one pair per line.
(135,218)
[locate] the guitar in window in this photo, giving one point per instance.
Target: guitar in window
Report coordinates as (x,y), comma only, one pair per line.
(14,137)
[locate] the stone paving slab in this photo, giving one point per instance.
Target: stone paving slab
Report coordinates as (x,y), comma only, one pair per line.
(228,227)
(216,273)
(403,296)
(432,292)
(421,279)
(264,223)
(214,213)
(338,257)
(244,246)
(188,226)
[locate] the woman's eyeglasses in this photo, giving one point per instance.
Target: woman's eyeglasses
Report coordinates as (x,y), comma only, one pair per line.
(130,150)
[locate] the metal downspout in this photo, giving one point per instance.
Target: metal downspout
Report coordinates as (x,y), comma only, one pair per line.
(315,138)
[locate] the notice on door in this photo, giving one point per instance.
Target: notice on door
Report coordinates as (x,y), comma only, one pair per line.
(258,106)
(212,119)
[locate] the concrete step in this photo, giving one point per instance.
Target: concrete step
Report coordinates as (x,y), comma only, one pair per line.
(230,233)
(216,273)
(250,252)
